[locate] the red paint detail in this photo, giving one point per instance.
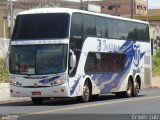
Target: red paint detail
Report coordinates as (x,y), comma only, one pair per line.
(36,93)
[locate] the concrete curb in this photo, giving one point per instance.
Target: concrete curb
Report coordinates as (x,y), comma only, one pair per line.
(15,101)
(5,95)
(155,82)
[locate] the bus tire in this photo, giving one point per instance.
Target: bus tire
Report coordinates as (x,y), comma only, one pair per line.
(37,101)
(86,95)
(129,91)
(136,89)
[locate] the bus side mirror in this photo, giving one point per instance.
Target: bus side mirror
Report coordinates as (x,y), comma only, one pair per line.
(72,61)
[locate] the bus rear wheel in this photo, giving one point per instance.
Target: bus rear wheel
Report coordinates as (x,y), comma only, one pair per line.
(129,91)
(136,89)
(37,101)
(86,93)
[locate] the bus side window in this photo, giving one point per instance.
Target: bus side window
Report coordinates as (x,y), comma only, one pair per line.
(112,28)
(76,36)
(132,31)
(77,26)
(105,63)
(89,22)
(122,30)
(101,27)
(91,63)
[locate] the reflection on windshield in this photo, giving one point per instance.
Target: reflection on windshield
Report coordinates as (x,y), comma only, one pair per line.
(38,59)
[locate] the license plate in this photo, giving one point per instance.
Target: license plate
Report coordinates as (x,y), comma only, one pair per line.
(36,93)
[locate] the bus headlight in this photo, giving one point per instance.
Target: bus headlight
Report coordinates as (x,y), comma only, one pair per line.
(58,82)
(15,83)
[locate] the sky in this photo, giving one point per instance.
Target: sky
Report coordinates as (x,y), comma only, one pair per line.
(151,3)
(154,4)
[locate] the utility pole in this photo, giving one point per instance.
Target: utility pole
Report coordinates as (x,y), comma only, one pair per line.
(81,4)
(45,3)
(147,12)
(11,17)
(4,26)
(116,8)
(132,9)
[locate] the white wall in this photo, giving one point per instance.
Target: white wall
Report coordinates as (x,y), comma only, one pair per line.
(4,43)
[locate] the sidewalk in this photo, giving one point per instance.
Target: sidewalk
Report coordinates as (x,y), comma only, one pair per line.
(5,95)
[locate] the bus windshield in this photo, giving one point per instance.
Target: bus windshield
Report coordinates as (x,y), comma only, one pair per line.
(41,26)
(38,59)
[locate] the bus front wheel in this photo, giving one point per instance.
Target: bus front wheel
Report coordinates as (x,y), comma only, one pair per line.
(86,93)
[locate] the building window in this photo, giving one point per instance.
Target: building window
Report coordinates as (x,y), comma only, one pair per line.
(139,7)
(111,7)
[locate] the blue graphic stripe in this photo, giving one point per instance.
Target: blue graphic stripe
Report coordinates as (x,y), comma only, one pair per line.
(75,85)
(132,53)
(46,81)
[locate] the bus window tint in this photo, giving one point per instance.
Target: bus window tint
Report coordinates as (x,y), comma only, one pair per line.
(101,27)
(112,28)
(140,32)
(132,35)
(122,30)
(146,36)
(91,63)
(105,62)
(77,25)
(76,39)
(41,26)
(89,25)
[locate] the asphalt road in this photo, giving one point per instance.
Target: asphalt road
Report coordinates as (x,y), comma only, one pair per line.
(148,102)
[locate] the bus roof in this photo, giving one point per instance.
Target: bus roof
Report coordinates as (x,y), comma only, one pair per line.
(70,11)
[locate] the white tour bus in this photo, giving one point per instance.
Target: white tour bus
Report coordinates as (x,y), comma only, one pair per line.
(61,52)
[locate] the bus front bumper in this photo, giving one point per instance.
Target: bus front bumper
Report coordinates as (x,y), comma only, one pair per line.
(55,91)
